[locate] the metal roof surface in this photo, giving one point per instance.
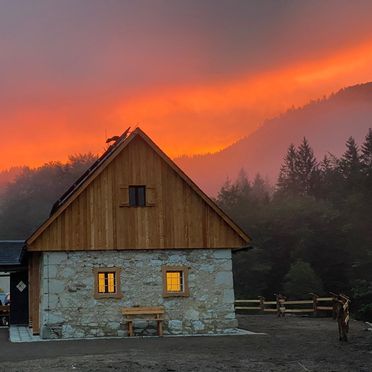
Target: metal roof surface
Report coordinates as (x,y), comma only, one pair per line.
(88,173)
(11,252)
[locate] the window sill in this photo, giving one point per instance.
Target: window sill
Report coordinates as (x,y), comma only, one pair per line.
(104,296)
(175,294)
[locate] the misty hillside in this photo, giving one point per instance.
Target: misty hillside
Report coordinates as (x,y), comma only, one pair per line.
(7,176)
(326,123)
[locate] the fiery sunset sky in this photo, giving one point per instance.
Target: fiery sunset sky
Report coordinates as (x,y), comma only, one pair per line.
(195,75)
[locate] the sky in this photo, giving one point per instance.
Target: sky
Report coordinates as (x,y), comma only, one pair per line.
(194,75)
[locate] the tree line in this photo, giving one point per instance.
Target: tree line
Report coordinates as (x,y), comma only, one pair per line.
(27,201)
(313,231)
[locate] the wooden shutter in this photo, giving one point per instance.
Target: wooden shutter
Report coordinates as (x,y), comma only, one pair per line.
(150,196)
(123,196)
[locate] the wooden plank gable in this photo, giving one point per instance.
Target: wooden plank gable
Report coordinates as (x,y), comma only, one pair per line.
(98,216)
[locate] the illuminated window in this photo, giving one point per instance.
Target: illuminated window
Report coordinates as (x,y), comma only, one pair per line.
(175,281)
(107,282)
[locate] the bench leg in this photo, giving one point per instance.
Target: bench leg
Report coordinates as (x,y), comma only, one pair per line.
(160,327)
(130,328)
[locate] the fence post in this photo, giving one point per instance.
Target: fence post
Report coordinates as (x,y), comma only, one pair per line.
(315,304)
(334,305)
(262,303)
(280,305)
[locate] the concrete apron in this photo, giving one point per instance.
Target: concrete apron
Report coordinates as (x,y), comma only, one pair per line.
(24,334)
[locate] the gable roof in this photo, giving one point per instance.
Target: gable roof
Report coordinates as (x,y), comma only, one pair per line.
(97,168)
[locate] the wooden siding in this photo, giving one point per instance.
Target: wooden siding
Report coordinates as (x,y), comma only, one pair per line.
(99,218)
(34,291)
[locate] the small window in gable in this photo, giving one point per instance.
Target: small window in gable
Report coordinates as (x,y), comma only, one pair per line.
(137,196)
(107,282)
(175,281)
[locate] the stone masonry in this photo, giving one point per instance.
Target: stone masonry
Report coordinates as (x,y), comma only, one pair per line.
(69,309)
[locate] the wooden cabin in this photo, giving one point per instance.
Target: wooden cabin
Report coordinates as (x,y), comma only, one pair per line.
(134,231)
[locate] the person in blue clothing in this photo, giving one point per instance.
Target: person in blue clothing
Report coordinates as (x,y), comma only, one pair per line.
(7,299)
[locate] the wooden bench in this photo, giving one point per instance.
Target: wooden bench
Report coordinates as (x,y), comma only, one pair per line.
(144,313)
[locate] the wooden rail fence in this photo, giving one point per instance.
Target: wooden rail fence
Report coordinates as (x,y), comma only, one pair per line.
(282,306)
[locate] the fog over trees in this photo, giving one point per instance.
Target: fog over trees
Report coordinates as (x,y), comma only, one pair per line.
(326,123)
(314,232)
(27,200)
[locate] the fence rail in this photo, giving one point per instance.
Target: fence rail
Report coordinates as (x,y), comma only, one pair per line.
(282,306)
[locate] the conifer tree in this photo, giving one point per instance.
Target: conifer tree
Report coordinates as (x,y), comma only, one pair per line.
(366,156)
(242,184)
(228,196)
(299,173)
(259,189)
(329,180)
(325,166)
(287,181)
(306,168)
(350,164)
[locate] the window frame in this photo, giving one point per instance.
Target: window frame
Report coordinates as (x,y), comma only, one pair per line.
(185,273)
(117,272)
(137,196)
(124,196)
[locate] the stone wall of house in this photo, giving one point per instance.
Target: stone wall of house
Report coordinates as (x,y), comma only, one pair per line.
(69,309)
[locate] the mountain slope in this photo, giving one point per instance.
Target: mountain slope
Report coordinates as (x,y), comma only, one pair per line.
(326,123)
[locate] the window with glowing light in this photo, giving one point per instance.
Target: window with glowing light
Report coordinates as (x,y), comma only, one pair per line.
(107,282)
(175,281)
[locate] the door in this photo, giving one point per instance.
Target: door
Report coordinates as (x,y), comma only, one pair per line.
(19,298)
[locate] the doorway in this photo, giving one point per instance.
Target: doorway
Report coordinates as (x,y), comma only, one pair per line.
(19,298)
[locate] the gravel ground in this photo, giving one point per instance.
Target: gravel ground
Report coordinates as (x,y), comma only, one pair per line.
(290,344)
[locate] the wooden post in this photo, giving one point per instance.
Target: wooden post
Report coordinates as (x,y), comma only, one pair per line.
(334,305)
(160,327)
(262,303)
(280,305)
(130,328)
(315,304)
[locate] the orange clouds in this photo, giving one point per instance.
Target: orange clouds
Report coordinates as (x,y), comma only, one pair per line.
(202,118)
(181,119)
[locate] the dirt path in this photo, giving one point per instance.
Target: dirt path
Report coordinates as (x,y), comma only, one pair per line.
(291,344)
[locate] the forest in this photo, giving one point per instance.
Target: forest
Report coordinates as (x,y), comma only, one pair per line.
(311,232)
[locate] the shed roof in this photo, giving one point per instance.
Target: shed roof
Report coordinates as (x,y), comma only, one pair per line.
(11,252)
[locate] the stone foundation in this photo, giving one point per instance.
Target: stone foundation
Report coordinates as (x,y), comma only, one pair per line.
(69,309)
